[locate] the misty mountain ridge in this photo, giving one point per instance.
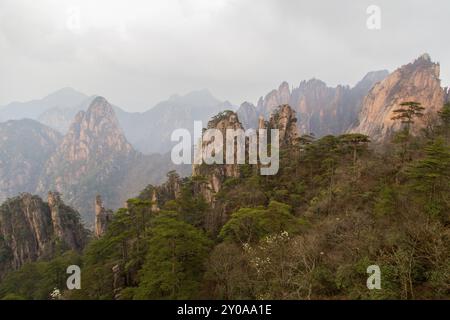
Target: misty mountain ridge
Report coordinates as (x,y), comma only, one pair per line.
(148,131)
(93,157)
(63,98)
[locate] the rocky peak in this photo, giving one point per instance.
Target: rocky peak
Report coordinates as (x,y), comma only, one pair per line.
(321,109)
(274,98)
(261,123)
(225,120)
(94,133)
(216,174)
(66,222)
(417,81)
(94,151)
(284,119)
(102,217)
(54,202)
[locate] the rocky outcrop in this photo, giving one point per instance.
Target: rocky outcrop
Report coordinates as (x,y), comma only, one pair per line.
(284,120)
(103,217)
(94,133)
(31,229)
(418,81)
(274,99)
(216,174)
(66,223)
(321,109)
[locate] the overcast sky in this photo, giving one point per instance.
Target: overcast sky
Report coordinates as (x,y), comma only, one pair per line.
(136,53)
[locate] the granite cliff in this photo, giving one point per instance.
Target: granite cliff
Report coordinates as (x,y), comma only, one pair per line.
(417,81)
(31,229)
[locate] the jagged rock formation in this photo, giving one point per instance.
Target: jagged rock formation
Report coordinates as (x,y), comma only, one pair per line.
(209,179)
(284,120)
(274,99)
(216,174)
(102,217)
(95,158)
(92,155)
(417,81)
(320,109)
(66,223)
(25,146)
(30,229)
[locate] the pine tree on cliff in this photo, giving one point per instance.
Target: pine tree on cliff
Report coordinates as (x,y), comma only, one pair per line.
(406,113)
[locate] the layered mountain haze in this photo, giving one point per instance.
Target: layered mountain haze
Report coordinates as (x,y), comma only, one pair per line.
(25,146)
(65,98)
(95,158)
(60,118)
(150,131)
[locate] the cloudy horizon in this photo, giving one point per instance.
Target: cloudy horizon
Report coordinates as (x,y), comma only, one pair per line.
(137,53)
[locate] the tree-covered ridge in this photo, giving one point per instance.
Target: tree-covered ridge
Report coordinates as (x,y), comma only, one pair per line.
(335,207)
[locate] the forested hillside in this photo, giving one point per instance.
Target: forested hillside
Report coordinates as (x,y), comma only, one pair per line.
(335,207)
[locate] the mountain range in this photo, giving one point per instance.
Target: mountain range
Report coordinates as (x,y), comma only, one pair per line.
(148,132)
(93,157)
(82,145)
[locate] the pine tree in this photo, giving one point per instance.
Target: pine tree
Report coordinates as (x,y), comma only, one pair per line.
(174,263)
(444,114)
(357,142)
(407,112)
(431,177)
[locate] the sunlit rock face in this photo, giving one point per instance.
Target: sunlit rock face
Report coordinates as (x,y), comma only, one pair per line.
(320,109)
(417,81)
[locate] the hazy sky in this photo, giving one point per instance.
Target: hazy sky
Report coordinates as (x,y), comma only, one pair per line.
(136,53)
